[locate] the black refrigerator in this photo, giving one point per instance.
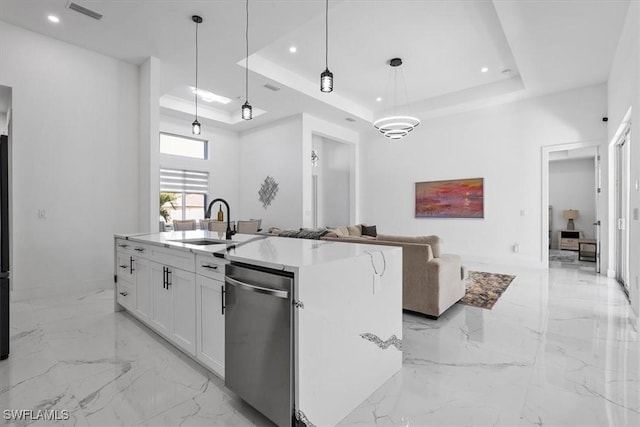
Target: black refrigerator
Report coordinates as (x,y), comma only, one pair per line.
(4,247)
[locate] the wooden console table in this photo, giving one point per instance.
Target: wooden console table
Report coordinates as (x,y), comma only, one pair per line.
(568,239)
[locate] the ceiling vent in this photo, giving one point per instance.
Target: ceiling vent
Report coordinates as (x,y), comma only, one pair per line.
(272,87)
(83,10)
(350,119)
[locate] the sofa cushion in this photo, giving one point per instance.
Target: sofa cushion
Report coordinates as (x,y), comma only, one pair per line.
(355,230)
(369,230)
(341,231)
(433,241)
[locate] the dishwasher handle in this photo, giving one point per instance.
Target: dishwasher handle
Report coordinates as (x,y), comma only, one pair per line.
(254,288)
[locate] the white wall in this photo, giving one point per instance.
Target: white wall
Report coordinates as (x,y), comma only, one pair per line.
(274,150)
(223,164)
(502,144)
(572,186)
(149,144)
(75,155)
(624,93)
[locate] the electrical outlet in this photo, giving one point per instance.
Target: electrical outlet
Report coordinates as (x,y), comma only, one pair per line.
(42,213)
(636,214)
(516,248)
(523,212)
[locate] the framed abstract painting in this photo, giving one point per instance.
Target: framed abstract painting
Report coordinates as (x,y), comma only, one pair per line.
(458,198)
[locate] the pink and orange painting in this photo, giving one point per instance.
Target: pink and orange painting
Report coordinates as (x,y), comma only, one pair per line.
(459,198)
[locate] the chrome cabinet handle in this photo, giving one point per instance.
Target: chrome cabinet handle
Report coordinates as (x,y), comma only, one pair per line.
(124,294)
(254,288)
(123,246)
(131,269)
(139,249)
(123,266)
(212,267)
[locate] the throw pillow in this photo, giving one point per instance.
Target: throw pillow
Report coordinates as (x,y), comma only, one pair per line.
(341,231)
(355,230)
(369,230)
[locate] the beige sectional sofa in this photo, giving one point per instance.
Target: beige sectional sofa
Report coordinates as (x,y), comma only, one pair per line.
(431,281)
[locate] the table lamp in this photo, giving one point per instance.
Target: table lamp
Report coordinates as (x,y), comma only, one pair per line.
(570,215)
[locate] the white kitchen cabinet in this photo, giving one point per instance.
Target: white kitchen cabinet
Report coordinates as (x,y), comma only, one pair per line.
(133,271)
(184,317)
(210,323)
(162,299)
(142,288)
(173,299)
(126,295)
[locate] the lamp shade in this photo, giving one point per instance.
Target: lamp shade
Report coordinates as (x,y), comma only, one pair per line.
(571,214)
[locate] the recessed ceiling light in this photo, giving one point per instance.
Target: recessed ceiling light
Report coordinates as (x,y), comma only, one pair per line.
(293,49)
(484,69)
(207,96)
(378,99)
(53,18)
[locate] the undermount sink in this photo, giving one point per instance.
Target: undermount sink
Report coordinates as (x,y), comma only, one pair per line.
(202,242)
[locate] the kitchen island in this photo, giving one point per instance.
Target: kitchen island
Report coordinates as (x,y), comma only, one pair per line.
(344,305)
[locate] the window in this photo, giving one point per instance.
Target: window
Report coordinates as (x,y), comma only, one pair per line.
(182,146)
(183,194)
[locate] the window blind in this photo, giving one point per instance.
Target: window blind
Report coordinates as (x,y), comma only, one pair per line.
(181,181)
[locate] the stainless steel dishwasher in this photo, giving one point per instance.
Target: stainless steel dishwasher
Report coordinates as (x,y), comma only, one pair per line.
(259,339)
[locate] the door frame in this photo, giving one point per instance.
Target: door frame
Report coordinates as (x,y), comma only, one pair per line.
(624,125)
(546,150)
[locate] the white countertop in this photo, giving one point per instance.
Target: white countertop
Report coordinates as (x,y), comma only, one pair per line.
(280,253)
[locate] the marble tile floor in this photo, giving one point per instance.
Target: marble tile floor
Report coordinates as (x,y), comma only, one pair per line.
(560,348)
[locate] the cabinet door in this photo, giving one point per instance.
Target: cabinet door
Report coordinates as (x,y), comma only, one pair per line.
(143,289)
(162,300)
(183,286)
(210,323)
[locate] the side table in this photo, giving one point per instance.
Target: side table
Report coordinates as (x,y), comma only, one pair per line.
(587,249)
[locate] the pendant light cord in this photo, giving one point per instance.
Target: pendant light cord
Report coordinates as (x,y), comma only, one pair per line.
(326,35)
(246,66)
(196,92)
(395,91)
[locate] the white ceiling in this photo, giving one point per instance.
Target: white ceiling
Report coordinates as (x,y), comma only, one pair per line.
(548,46)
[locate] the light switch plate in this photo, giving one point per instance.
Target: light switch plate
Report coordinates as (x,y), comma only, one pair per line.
(636,214)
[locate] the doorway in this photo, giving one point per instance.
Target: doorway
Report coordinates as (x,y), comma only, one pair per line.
(332,179)
(621,206)
(571,221)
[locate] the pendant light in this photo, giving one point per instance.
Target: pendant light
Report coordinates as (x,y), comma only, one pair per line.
(247,113)
(326,78)
(396,126)
(195,126)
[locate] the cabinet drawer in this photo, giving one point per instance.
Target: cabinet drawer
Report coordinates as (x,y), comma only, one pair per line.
(132,248)
(123,265)
(209,266)
(126,295)
(177,258)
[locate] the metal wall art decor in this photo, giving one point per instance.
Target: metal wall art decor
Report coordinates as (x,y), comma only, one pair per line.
(268,191)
